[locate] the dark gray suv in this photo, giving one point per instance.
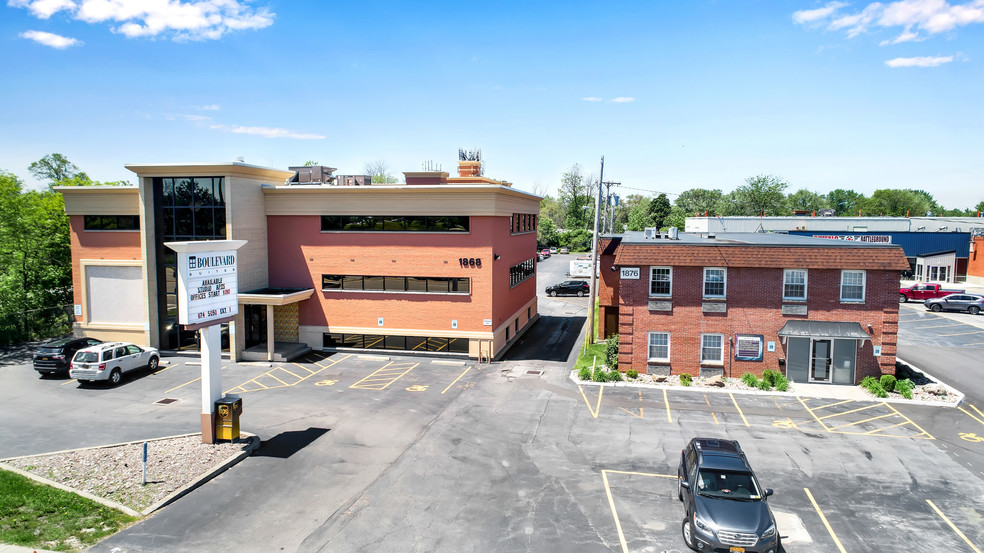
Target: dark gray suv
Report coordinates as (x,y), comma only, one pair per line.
(726,508)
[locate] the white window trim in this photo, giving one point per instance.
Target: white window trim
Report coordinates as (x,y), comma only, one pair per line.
(703,283)
(701,351)
(864,286)
(806,282)
(649,343)
(651,274)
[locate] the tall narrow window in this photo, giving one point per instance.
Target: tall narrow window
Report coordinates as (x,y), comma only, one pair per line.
(715,280)
(852,286)
(712,348)
(794,284)
(659,346)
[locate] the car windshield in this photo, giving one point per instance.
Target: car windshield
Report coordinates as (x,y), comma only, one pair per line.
(739,486)
(86,357)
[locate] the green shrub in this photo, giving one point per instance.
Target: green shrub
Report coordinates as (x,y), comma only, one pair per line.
(599,375)
(888,382)
(879,391)
(867,382)
(904,387)
(769,376)
(750,379)
(764,385)
(781,382)
(611,351)
(584,373)
(614,375)
(632,373)
(686,379)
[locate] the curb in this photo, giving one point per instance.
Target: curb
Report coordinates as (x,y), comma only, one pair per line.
(960,395)
(253,443)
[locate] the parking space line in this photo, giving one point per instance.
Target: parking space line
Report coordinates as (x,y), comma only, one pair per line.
(953,526)
(189,382)
(938,326)
(848,412)
(456,380)
(713,414)
(594,412)
(611,499)
(259,386)
(912,422)
(979,417)
(69,382)
(962,333)
(867,420)
(833,404)
(384,376)
(733,400)
(666,401)
(303,367)
(824,519)
(893,412)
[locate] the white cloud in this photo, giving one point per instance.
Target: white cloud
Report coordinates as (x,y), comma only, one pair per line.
(622,99)
(211,107)
(906,36)
(591,99)
(268,132)
(176,19)
(51,39)
(930,16)
(809,16)
(196,118)
(923,61)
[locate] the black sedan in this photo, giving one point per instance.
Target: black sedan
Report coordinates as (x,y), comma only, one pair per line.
(577,288)
(970,303)
(55,356)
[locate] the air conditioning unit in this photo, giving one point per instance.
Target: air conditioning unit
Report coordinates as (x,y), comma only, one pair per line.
(652,233)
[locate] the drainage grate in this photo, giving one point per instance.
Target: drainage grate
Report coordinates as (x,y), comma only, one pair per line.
(166,401)
(534,373)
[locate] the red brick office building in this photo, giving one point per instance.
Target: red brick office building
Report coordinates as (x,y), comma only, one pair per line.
(728,304)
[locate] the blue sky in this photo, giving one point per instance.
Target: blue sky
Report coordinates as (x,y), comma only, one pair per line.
(675,95)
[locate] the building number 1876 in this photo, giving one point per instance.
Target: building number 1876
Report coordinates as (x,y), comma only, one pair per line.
(470,261)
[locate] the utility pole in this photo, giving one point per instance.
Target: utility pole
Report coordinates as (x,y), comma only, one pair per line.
(609,208)
(594,259)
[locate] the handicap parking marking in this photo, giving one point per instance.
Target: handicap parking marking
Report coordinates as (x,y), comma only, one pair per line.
(842,417)
(384,376)
(952,526)
(282,377)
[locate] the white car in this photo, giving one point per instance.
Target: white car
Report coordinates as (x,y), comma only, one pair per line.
(110,360)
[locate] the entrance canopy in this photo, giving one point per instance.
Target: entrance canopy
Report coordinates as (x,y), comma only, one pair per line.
(824,329)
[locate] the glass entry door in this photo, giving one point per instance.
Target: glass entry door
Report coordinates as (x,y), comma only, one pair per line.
(820,361)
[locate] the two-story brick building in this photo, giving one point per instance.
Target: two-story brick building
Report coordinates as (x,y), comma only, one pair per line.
(440,264)
(705,304)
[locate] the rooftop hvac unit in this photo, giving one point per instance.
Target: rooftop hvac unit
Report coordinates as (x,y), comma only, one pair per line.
(674,233)
(652,233)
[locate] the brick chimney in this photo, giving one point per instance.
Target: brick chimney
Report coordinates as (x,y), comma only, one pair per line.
(469,168)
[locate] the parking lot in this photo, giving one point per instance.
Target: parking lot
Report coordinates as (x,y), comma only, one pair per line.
(398,453)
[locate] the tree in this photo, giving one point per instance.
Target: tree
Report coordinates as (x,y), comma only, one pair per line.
(639,216)
(551,209)
(930,201)
(546,232)
(574,195)
(379,171)
(845,202)
(53,168)
(979,207)
(659,210)
(577,240)
(677,218)
(805,200)
(894,202)
(311,163)
(761,195)
(698,200)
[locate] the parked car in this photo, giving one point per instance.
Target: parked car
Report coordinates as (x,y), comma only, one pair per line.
(576,287)
(553,250)
(970,303)
(545,252)
(111,360)
(56,356)
(924,291)
(726,508)
(564,250)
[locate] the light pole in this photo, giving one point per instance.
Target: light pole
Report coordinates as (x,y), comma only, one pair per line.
(594,259)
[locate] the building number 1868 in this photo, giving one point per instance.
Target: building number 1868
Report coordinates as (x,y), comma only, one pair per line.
(470,261)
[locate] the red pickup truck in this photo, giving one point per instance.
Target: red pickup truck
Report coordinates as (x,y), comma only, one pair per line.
(923,292)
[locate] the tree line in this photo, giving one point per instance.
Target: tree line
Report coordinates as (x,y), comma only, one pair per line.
(567,220)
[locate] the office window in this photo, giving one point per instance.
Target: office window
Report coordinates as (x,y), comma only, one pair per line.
(712,348)
(794,284)
(715,280)
(375,283)
(852,286)
(659,346)
(521,271)
(661,281)
(111,222)
(394,223)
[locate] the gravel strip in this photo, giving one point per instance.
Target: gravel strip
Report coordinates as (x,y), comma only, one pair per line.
(116,472)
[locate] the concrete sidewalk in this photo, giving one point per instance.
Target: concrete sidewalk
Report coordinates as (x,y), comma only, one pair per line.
(4,548)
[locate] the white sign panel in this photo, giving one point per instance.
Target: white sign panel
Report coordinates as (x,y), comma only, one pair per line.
(208,284)
(630,273)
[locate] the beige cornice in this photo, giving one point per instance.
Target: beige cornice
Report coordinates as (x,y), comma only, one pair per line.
(100,200)
(232,168)
(443,199)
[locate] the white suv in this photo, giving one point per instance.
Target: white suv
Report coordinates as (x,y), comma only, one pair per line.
(110,360)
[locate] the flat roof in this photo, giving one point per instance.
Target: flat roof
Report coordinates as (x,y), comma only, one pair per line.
(746,239)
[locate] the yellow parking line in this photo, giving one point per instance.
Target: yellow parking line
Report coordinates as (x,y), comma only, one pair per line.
(69,382)
(456,380)
(594,412)
(303,367)
(849,412)
(937,326)
(955,529)
(666,401)
(912,422)
(182,385)
(852,423)
(834,404)
(712,412)
(382,375)
(611,503)
(268,373)
(824,519)
(290,373)
(903,423)
(733,400)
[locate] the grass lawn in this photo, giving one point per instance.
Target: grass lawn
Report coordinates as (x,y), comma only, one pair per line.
(594,354)
(35,515)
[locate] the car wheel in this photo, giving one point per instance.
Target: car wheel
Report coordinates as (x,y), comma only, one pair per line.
(688,534)
(115,377)
(936,307)
(903,298)
(553,293)
(152,366)
(580,293)
(973,310)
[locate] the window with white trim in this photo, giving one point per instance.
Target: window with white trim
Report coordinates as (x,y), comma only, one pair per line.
(661,281)
(712,348)
(852,286)
(794,284)
(659,346)
(715,282)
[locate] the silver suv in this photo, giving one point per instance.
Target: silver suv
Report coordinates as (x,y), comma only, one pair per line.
(110,360)
(725,506)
